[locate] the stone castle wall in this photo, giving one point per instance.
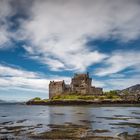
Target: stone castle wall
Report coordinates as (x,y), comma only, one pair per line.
(56,88)
(80,84)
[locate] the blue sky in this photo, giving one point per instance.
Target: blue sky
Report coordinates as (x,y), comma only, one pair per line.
(43,40)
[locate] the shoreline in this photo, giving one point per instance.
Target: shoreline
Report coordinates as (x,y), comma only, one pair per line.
(82,102)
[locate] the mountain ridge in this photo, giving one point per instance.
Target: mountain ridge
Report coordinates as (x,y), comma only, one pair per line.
(135,89)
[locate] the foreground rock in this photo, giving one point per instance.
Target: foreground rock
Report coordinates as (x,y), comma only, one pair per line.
(66,131)
(70,131)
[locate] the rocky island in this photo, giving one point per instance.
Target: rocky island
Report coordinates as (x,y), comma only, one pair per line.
(81,92)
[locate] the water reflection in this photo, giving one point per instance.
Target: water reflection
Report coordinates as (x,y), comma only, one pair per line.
(60,115)
(98,118)
(114,119)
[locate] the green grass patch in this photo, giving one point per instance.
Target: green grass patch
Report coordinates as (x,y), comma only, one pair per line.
(73,97)
(85,97)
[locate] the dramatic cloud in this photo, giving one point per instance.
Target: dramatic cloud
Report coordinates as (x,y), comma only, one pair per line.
(120,61)
(12,13)
(5,11)
(59,30)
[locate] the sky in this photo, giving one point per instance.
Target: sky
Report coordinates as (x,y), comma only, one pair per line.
(44,40)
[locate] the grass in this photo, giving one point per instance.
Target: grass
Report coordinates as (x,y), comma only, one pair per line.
(85,97)
(74,96)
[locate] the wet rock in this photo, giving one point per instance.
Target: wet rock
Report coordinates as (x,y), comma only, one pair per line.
(39,126)
(86,121)
(3,116)
(59,114)
(13,127)
(79,113)
(114,118)
(127,136)
(66,131)
(70,131)
(21,121)
(100,131)
(6,138)
(134,125)
(5,123)
(137,113)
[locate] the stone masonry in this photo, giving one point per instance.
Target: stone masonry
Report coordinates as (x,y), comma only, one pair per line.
(80,84)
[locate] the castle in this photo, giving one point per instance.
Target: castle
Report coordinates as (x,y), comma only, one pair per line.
(80,84)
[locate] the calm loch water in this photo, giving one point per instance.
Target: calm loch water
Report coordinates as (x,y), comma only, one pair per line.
(113,119)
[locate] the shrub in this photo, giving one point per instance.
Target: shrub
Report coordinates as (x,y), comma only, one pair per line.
(36,99)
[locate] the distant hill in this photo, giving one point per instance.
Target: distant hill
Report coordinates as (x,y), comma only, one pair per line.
(131,90)
(10,102)
(2,101)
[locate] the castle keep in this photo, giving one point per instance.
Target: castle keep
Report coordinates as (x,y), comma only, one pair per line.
(80,84)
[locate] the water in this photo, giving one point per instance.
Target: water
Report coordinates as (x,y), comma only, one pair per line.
(114,119)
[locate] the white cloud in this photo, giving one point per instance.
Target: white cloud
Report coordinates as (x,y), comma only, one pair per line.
(18,78)
(9,71)
(4,37)
(119,61)
(121,83)
(11,16)
(62,56)
(98,83)
(78,61)
(29,83)
(58,30)
(117,81)
(5,11)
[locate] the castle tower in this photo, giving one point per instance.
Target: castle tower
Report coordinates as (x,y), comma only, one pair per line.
(81,84)
(56,88)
